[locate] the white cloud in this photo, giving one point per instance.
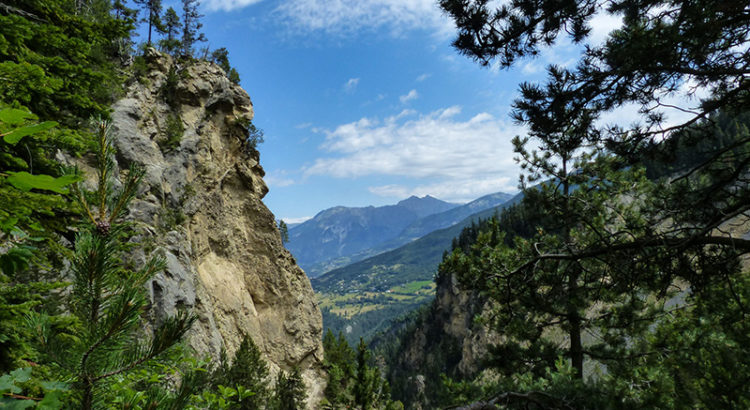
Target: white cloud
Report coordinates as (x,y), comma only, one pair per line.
(277,181)
(462,159)
(459,190)
(298,220)
(344,17)
(351,85)
(228,5)
(601,25)
(423,77)
(412,95)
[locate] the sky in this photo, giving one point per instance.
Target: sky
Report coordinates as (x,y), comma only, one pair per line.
(365,102)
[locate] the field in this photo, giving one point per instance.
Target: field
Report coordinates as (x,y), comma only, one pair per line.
(363,313)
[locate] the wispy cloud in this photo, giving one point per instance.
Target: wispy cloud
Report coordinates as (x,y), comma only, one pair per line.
(345,17)
(277,181)
(351,85)
(461,159)
(423,77)
(412,95)
(298,220)
(228,5)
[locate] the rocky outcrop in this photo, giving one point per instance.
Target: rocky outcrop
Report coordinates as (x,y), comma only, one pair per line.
(445,339)
(201,205)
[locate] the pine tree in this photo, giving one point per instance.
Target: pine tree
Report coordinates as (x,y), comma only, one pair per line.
(190,27)
(284,232)
(289,392)
(249,370)
(107,298)
(153,17)
(172,27)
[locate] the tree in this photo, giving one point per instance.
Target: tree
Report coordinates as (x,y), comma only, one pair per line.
(220,56)
(190,26)
(664,48)
(107,298)
(172,27)
(289,392)
(680,233)
(153,10)
(249,370)
(27,201)
(284,231)
(58,64)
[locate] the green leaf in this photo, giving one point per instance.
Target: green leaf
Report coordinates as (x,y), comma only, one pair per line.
(16,135)
(8,381)
(13,404)
(13,116)
(26,182)
(52,400)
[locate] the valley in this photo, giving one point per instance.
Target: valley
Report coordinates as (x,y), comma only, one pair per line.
(362,298)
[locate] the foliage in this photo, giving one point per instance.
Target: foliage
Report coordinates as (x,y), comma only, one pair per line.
(168,89)
(58,62)
(107,298)
(612,252)
(247,371)
(220,56)
(190,27)
(173,132)
(171,28)
(289,391)
(284,231)
(153,17)
(11,399)
(353,381)
(27,201)
(252,135)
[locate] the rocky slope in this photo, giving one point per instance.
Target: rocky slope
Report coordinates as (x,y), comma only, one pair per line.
(444,338)
(201,205)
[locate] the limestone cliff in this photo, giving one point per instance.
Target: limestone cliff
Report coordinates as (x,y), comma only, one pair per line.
(444,338)
(201,205)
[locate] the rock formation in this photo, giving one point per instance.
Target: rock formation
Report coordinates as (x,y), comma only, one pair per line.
(201,205)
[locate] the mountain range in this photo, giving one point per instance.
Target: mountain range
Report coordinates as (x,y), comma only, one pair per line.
(361,298)
(340,236)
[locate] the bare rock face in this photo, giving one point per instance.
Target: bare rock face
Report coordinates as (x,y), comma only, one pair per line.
(201,206)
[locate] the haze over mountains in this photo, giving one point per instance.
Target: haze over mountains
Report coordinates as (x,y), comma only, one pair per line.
(341,235)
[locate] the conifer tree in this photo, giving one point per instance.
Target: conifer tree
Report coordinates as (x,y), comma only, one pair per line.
(289,392)
(172,27)
(249,370)
(108,298)
(190,27)
(27,200)
(284,231)
(153,17)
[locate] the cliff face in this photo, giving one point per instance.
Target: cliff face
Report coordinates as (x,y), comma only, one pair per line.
(201,205)
(444,339)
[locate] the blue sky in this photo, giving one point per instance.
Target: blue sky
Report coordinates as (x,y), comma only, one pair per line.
(364,102)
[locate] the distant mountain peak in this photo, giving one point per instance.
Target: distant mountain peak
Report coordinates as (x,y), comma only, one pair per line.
(427,205)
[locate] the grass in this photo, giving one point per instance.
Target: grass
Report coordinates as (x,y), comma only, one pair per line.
(398,299)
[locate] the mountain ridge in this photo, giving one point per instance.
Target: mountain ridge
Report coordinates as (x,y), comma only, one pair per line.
(415,230)
(342,231)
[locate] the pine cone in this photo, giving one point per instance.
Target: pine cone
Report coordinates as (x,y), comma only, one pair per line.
(103,228)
